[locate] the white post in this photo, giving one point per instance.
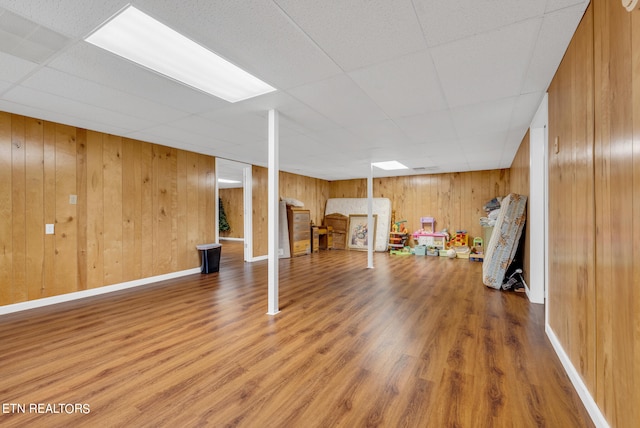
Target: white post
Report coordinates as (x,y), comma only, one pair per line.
(370,226)
(216,196)
(273,213)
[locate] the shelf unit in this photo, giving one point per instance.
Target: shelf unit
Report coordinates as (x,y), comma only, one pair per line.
(397,240)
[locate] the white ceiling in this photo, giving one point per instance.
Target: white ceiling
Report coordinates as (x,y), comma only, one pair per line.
(438,85)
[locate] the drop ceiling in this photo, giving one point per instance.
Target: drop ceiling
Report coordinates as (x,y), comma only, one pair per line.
(440,86)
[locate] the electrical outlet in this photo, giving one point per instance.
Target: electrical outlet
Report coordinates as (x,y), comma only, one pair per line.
(49,229)
(73,199)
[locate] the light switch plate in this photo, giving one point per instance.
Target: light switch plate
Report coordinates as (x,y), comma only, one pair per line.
(49,229)
(73,199)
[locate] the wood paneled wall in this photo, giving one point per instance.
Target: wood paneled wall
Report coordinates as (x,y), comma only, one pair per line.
(313,192)
(520,180)
(594,208)
(617,192)
(233,202)
(571,204)
(454,199)
(141,208)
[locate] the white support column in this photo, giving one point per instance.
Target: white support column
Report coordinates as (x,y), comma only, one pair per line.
(216,197)
(273,213)
(370,225)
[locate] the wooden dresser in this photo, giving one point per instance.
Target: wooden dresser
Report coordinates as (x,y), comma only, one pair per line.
(339,223)
(299,231)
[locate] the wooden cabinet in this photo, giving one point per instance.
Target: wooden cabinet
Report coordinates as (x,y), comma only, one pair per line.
(299,231)
(339,223)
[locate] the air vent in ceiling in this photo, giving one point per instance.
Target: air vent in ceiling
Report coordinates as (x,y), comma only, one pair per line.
(426,169)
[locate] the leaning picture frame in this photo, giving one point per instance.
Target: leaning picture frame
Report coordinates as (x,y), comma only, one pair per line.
(358,232)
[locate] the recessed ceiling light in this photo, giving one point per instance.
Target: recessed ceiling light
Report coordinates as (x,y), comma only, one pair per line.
(389,165)
(138,37)
(225,180)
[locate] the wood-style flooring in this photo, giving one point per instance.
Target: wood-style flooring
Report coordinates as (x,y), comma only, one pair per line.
(414,342)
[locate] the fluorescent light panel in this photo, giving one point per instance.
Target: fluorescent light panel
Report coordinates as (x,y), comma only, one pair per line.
(389,165)
(137,37)
(225,180)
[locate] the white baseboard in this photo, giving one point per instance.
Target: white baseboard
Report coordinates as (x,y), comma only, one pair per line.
(46,301)
(589,403)
(223,238)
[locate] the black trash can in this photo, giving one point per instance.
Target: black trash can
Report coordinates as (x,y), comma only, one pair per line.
(210,255)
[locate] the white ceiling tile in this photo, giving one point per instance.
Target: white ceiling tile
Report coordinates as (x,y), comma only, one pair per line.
(405,86)
(59,116)
(380,132)
(66,16)
(483,118)
(556,32)
(74,109)
(447,21)
(13,68)
(339,99)
(253,34)
(209,129)
(61,84)
(434,126)
(525,109)
(498,59)
(358,33)
(553,5)
(493,142)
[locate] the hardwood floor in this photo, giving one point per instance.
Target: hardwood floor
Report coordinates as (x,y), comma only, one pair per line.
(415,342)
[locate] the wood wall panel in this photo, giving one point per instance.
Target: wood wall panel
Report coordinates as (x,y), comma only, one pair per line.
(635,40)
(81,206)
(131,210)
(66,222)
(571,204)
(164,206)
(148,219)
(18,201)
(520,184)
(594,206)
(35,214)
(95,215)
(182,207)
(6,216)
(454,199)
(193,198)
(259,210)
(618,315)
(49,202)
(112,209)
(233,203)
(128,223)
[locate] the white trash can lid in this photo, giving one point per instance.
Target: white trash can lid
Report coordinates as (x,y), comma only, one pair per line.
(208,246)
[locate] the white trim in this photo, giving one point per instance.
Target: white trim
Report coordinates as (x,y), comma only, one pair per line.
(259,258)
(228,238)
(589,403)
(47,301)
